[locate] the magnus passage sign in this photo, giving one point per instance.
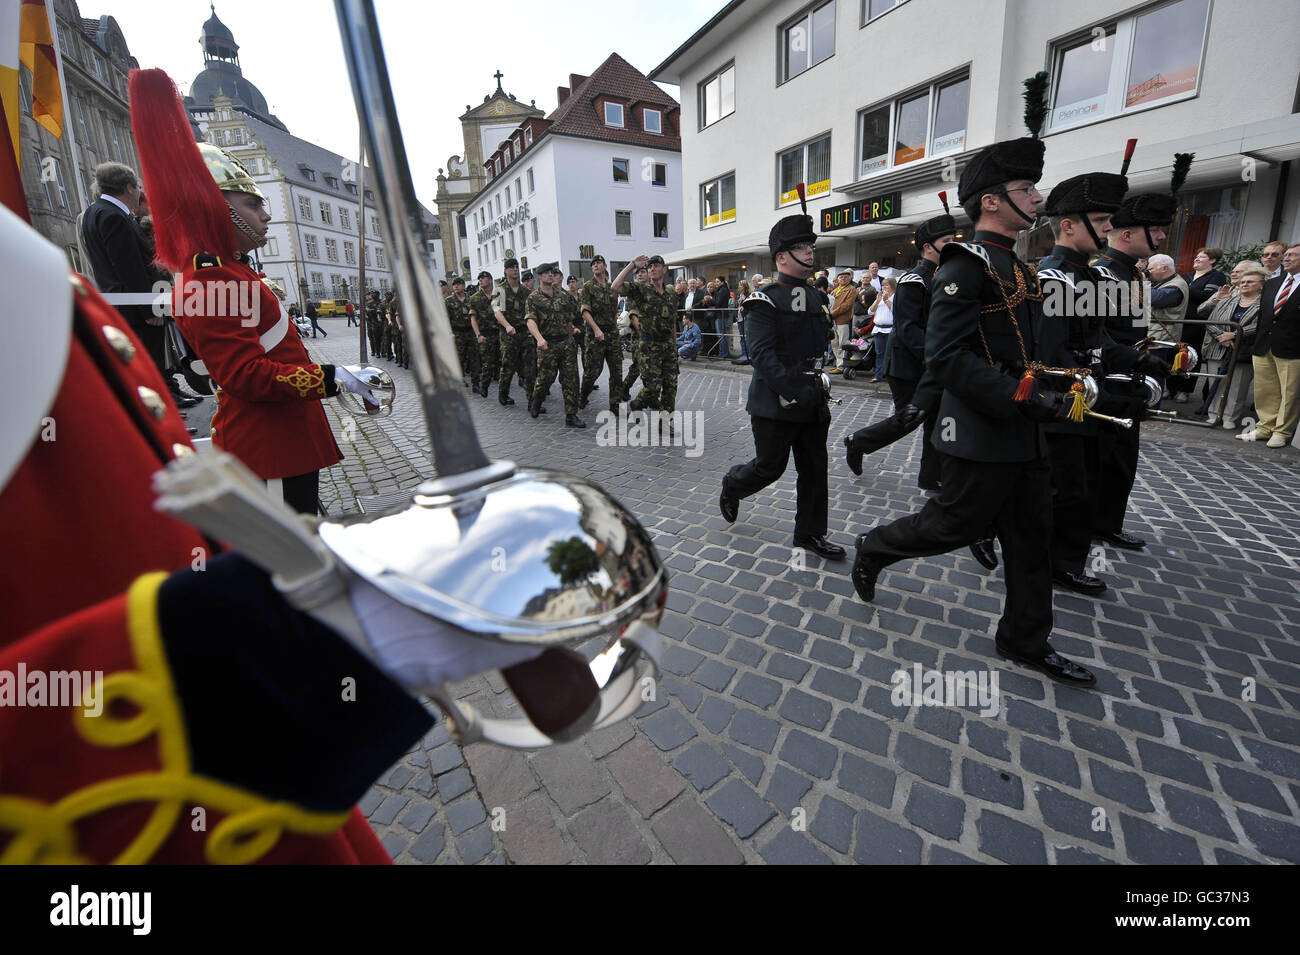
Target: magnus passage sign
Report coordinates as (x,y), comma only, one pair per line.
(862,212)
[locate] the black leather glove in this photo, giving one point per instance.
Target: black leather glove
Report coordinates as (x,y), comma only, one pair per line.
(1153,365)
(1045,406)
(911,416)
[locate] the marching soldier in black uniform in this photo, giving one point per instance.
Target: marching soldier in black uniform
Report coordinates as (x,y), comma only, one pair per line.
(1071,334)
(978,349)
(485,328)
(1137,229)
(599,303)
(787,325)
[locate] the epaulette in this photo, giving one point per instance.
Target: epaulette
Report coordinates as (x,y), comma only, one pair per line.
(205,260)
(759,295)
(908,278)
(1055,275)
(974,248)
(1107,273)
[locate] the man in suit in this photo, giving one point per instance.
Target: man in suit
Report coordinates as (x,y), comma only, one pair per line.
(119,253)
(1276,356)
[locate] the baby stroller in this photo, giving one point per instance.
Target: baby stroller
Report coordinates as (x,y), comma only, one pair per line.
(857,353)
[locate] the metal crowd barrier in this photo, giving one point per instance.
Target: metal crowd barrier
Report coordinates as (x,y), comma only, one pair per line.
(1223,381)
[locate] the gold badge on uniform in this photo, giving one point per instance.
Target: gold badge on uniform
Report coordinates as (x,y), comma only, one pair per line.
(951,288)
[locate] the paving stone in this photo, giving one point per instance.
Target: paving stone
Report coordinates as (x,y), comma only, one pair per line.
(1252,788)
(646,782)
(1099,740)
(429,846)
(792,848)
(668,729)
(1194,811)
(570,776)
(1073,855)
(1032,719)
(531,837)
(398,778)
(804,709)
(1206,739)
(1050,761)
(370,802)
(465,815)
(926,759)
(1010,841)
(1161,695)
(1224,857)
(702,765)
(602,742)
(867,779)
(608,834)
(786,788)
(418,816)
(831,653)
(1149,844)
(833,824)
(1274,837)
(988,740)
(941,855)
(862,731)
(786,639)
(1120,785)
(750,765)
(715,714)
(1172,763)
(881,842)
(692,836)
(814,756)
(935,812)
(689,695)
(1074,817)
(746,652)
(739,806)
(836,684)
(681,661)
(751,729)
(940,721)
(1139,718)
(787,667)
(760,691)
(1273,759)
(389,809)
(995,785)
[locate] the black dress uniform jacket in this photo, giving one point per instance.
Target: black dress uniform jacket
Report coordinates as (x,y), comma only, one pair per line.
(1131,327)
(787,325)
(974,354)
(911,315)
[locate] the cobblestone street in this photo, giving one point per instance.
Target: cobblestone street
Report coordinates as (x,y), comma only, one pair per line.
(773,736)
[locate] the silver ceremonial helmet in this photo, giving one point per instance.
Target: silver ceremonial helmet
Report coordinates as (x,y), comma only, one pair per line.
(509,554)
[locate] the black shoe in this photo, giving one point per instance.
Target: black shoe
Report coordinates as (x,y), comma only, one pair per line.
(505,399)
(741,361)
(595,387)
(1054,665)
(532,409)
(483,389)
(983,552)
(728,504)
(1079,583)
(931,486)
(854,455)
(865,572)
(1125,541)
(582,402)
(199,384)
(573,421)
(183,400)
(821,547)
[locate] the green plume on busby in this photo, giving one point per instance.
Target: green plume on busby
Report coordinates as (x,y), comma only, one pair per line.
(1036,102)
(1182,165)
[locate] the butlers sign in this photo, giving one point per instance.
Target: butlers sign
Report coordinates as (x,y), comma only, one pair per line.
(862,212)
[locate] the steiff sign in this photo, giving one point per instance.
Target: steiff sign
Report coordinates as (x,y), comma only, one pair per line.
(862,212)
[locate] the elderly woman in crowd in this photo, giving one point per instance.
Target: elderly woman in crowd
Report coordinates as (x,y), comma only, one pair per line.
(1235,302)
(1203,281)
(743,292)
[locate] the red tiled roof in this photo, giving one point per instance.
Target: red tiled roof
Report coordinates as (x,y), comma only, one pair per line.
(621,81)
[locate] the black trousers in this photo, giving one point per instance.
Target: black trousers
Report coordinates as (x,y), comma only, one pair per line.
(903,391)
(302,491)
(1114,468)
(1073,474)
(773,442)
(1016,500)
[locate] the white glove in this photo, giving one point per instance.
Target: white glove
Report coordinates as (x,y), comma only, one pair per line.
(350,382)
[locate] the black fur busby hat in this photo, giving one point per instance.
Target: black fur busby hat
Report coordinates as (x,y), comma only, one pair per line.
(1157,209)
(936,228)
(789,232)
(1091,192)
(1013,158)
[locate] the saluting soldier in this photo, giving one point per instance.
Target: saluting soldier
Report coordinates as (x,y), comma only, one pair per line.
(599,304)
(787,324)
(485,327)
(518,352)
(655,309)
(462,329)
(1071,333)
(550,312)
(979,348)
(634,369)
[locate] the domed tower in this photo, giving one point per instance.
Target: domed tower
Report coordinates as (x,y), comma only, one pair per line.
(223,74)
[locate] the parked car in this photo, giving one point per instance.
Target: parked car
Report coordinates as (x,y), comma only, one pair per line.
(332,306)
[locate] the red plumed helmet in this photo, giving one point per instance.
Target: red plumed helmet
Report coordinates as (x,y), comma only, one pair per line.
(190,216)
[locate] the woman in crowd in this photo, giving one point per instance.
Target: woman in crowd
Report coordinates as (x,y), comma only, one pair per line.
(882,314)
(742,293)
(1237,301)
(1203,281)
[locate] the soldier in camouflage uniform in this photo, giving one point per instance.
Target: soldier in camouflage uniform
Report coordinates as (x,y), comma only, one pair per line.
(655,308)
(374,322)
(385,329)
(599,304)
(550,313)
(518,352)
(399,333)
(634,346)
(485,327)
(462,330)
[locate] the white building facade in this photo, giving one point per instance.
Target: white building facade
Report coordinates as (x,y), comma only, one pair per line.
(876,104)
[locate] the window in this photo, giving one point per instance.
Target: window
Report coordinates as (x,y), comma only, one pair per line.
(518,148)
(809,164)
(349,252)
(519,190)
(620,170)
(63,40)
(237,137)
(332,250)
(345,219)
(309,174)
(494,249)
(49,201)
(1149,59)
(718,201)
(807,40)
(317,285)
(535,232)
(81,121)
(25,92)
(614,114)
(531,187)
(622,222)
(374,224)
(304,207)
(528,136)
(368,255)
(74,257)
(379,258)
(332,181)
(326,216)
(336,285)
(370,196)
(928,122)
(498,204)
(659,174)
(653,121)
(273,248)
(661,225)
(718,96)
(313,250)
(508,195)
(351,187)
(875,8)
(58,178)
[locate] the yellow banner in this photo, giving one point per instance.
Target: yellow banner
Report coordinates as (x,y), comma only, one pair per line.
(812,189)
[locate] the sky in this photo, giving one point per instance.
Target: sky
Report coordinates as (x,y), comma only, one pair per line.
(438,64)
